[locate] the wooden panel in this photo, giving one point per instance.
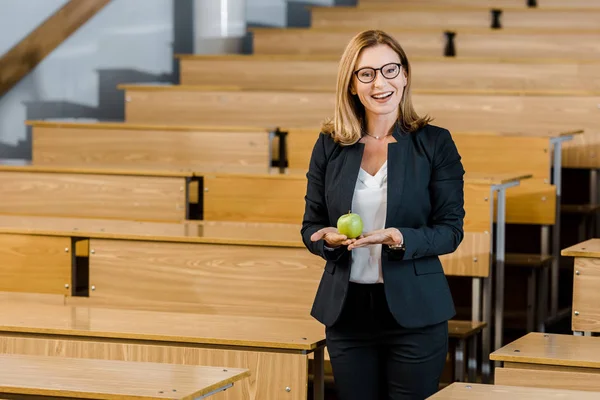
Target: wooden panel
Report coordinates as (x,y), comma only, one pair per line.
(93,196)
(265,109)
(264,199)
(551,349)
(270,373)
(137,148)
(586,296)
(29,52)
(276,72)
(588,248)
(478,216)
(210,279)
(35,264)
(107,379)
(573,380)
(472,258)
(332,42)
(531,203)
(514,44)
(390,16)
(476,391)
(445,18)
(490,153)
(167,327)
(260,72)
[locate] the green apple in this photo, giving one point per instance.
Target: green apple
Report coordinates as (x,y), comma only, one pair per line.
(350,225)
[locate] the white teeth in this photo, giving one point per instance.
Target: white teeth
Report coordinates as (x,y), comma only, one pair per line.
(383,95)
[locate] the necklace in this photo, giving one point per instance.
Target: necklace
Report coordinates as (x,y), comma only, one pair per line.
(377,137)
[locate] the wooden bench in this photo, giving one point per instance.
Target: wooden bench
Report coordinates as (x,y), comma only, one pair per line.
(390,16)
(428,73)
(528,113)
(562,361)
(541,4)
(331,42)
(148,246)
(550,361)
(120,193)
(275,351)
(39,377)
(466,42)
(150,146)
(463,391)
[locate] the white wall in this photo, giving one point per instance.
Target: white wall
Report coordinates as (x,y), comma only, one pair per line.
(127,41)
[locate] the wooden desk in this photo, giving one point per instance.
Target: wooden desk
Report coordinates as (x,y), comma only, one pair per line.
(274,350)
(550,360)
(586,286)
(471,391)
(39,377)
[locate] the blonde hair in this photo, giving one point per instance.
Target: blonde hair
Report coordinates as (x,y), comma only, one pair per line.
(348,122)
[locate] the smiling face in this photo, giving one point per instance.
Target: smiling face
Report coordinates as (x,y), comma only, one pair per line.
(382,96)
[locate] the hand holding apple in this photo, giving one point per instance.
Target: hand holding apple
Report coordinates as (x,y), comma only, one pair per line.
(389,236)
(332,237)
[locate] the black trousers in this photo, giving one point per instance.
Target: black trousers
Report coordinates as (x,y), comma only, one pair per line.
(374,358)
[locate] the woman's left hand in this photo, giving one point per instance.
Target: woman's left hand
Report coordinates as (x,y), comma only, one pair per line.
(387,236)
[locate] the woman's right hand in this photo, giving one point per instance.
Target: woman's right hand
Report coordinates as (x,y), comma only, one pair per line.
(332,237)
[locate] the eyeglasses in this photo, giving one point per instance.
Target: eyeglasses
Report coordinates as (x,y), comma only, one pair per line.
(368,74)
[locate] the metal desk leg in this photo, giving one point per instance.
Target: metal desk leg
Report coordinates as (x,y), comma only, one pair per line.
(594,199)
(459,361)
(472,363)
(557,181)
(319,374)
(500,254)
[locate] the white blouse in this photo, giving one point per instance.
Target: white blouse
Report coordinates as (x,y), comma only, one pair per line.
(370,202)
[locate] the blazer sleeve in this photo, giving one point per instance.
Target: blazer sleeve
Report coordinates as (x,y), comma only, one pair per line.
(315,211)
(444,231)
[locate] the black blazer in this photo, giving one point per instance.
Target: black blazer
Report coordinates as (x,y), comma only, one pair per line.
(425,201)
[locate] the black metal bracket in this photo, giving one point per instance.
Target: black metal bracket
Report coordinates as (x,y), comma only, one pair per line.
(194,211)
(80,270)
(282,161)
(532,3)
(496,14)
(450,50)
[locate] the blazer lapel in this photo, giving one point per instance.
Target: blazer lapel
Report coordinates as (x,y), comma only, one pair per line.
(397,162)
(351,167)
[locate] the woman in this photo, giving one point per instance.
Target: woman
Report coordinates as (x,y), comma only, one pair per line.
(383,297)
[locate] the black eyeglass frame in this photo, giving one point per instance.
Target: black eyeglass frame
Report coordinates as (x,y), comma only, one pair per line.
(380,69)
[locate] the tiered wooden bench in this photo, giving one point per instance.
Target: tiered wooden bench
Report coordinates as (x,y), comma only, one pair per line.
(466,42)
(39,377)
(459,73)
(562,361)
(390,16)
(264,261)
(274,350)
(537,115)
(462,391)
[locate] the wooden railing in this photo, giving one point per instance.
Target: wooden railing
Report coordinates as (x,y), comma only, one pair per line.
(29,52)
